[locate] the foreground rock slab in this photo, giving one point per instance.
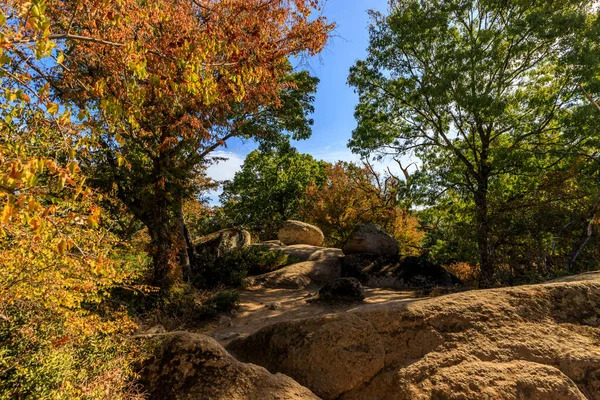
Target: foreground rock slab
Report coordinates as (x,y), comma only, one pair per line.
(193,366)
(530,342)
(296,232)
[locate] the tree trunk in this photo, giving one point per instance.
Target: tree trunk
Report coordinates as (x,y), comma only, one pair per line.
(187,255)
(585,237)
(483,234)
(166,244)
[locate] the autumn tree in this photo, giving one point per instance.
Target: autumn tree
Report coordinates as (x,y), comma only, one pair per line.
(58,258)
(476,89)
(270,188)
(354,194)
(163,84)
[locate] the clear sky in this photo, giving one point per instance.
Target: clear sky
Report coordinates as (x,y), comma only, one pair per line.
(335,101)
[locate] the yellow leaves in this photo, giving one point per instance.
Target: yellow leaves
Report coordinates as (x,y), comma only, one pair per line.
(7,212)
(62,181)
(52,108)
(62,247)
(60,58)
(92,222)
(73,168)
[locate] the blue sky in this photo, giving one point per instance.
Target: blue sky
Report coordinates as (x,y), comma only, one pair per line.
(335,101)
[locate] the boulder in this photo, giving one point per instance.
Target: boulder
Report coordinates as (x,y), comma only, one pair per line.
(296,232)
(193,366)
(303,252)
(371,238)
(342,290)
(300,275)
(223,241)
(328,353)
(396,272)
(529,342)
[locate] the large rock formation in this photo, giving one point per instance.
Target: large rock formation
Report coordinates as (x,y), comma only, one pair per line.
(300,275)
(371,238)
(529,342)
(296,232)
(396,272)
(220,242)
(193,366)
(303,252)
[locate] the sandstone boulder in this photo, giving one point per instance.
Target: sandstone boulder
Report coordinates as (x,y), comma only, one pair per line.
(327,353)
(529,342)
(342,290)
(223,241)
(304,252)
(300,275)
(371,238)
(296,232)
(193,366)
(396,272)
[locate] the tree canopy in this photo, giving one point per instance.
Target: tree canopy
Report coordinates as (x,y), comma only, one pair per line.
(270,188)
(158,86)
(477,90)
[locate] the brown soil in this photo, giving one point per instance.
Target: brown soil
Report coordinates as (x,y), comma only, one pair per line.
(255,311)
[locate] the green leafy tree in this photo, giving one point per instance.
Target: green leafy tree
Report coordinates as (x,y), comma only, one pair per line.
(476,89)
(269,188)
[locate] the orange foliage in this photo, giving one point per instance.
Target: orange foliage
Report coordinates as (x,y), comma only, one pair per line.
(353,195)
(466,272)
(161,84)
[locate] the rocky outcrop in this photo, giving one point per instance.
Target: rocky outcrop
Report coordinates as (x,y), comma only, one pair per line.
(303,252)
(300,275)
(529,342)
(342,290)
(330,354)
(193,366)
(396,272)
(371,238)
(296,232)
(223,241)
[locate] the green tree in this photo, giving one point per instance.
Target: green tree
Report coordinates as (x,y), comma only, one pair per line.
(269,188)
(476,89)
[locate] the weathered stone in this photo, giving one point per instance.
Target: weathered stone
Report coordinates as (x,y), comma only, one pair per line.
(530,342)
(371,238)
(275,306)
(224,336)
(223,241)
(296,232)
(330,354)
(396,272)
(343,290)
(300,275)
(193,366)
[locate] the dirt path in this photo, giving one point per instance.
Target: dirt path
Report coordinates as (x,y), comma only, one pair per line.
(263,307)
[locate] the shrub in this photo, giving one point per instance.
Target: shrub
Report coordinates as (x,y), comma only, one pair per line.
(466,272)
(222,302)
(230,269)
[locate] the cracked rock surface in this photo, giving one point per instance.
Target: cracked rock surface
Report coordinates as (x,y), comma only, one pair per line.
(529,342)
